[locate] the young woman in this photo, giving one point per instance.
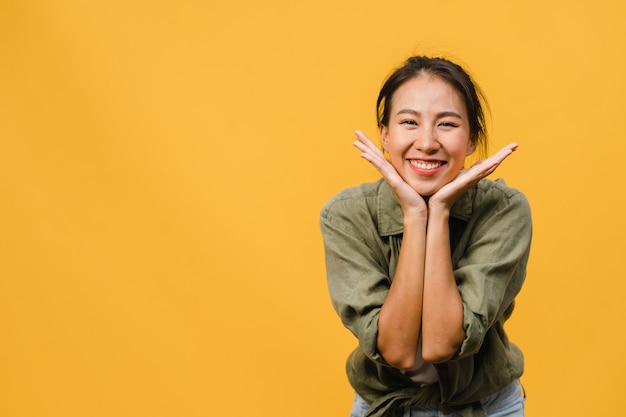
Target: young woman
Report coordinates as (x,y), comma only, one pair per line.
(424,264)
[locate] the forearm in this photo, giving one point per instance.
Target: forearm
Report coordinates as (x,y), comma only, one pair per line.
(400,316)
(442,315)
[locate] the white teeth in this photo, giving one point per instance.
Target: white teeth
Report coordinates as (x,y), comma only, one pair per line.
(425,165)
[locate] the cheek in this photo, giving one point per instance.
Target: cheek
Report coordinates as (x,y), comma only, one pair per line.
(471,147)
(462,147)
(392,148)
(395,156)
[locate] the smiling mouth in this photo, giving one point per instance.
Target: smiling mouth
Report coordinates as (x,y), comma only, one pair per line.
(426,165)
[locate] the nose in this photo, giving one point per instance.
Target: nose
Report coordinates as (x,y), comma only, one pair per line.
(427,142)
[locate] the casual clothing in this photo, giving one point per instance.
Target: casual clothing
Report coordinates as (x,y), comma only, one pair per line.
(507,403)
(490,234)
(422,373)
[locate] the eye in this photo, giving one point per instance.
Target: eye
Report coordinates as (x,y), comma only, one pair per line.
(448,124)
(408,122)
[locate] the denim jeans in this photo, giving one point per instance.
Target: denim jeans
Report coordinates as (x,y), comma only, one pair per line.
(507,403)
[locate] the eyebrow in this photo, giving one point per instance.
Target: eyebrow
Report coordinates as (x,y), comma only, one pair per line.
(439,115)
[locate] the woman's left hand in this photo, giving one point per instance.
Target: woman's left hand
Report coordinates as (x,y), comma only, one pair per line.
(467,178)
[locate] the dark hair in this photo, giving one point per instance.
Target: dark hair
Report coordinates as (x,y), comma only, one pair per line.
(447,71)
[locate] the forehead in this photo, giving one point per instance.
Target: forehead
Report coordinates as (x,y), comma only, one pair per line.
(427,91)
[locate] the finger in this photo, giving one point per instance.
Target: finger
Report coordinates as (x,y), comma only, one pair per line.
(503,153)
(369,151)
(365,147)
(362,138)
(373,155)
(380,163)
(489,165)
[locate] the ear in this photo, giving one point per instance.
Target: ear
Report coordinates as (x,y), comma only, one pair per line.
(384,137)
(471,147)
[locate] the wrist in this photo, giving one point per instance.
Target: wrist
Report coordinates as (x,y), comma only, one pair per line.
(415,220)
(438,212)
(438,206)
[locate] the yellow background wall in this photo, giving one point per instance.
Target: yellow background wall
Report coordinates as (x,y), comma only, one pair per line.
(163,164)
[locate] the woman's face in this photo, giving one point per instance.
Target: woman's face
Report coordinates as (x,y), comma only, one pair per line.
(428,135)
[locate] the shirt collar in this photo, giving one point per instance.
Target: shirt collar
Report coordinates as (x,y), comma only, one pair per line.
(390,215)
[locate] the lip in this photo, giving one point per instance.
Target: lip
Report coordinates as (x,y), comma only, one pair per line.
(424,170)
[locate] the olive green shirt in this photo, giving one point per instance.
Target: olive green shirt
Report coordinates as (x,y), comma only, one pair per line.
(490,234)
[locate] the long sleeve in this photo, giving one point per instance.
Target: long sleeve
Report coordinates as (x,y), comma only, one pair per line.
(491,269)
(357,266)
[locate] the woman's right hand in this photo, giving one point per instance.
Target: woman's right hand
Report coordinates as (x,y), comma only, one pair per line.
(410,200)
(399,321)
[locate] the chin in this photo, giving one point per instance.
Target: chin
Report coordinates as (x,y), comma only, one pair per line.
(426,186)
(425,191)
